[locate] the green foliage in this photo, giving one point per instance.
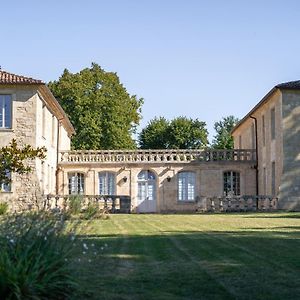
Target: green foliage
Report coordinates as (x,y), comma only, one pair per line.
(75,204)
(92,211)
(100,108)
(179,133)
(35,257)
(3,208)
(154,136)
(13,159)
(223,138)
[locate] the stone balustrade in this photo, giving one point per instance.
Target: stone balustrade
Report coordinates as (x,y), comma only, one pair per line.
(111,203)
(240,204)
(156,156)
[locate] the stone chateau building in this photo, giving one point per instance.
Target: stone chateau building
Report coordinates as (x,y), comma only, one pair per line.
(265,160)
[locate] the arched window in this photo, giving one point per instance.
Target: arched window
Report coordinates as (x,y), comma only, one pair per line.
(186,186)
(76,183)
(231,183)
(107,183)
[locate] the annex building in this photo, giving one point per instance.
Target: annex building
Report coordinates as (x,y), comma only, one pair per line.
(264,164)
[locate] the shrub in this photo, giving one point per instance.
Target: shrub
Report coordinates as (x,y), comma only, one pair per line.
(3,208)
(35,257)
(75,204)
(92,211)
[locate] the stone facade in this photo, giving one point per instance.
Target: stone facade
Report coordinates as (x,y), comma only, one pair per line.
(37,119)
(265,160)
(208,168)
(274,122)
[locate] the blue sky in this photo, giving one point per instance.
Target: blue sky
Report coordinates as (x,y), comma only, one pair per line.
(201,59)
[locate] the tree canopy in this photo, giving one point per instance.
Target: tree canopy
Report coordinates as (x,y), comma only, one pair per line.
(101,110)
(223,138)
(13,159)
(179,133)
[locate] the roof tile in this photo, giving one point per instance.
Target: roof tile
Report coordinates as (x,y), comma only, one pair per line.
(9,78)
(295,85)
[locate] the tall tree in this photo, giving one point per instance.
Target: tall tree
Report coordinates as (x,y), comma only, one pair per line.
(14,159)
(223,138)
(103,113)
(179,133)
(154,135)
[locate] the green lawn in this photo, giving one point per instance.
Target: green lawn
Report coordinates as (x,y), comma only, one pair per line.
(209,256)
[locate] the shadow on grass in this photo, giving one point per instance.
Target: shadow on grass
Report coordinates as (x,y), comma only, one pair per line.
(191,265)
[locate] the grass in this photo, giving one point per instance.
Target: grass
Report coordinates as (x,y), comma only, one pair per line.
(217,256)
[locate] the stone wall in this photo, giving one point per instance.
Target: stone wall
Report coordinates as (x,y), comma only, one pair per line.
(209,180)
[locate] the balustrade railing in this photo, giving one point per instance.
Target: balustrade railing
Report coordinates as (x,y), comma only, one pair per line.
(240,204)
(109,203)
(156,156)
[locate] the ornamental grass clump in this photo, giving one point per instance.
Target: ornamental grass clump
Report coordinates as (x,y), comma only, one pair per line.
(3,208)
(36,250)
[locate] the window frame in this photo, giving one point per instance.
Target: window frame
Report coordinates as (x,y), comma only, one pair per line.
(183,192)
(6,187)
(79,183)
(4,126)
(107,175)
(235,185)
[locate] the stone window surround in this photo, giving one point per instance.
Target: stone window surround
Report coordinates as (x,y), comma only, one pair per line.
(184,201)
(7,92)
(240,183)
(107,175)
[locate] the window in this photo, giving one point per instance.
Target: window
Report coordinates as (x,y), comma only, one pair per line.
(6,187)
(240,142)
(76,183)
(253,136)
(263,130)
(273,123)
(44,121)
(107,183)
(265,181)
(231,183)
(53,131)
(5,111)
(186,186)
(273,179)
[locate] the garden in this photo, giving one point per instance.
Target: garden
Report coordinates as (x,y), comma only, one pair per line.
(150,256)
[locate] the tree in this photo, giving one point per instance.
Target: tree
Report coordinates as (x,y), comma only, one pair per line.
(102,112)
(223,138)
(13,159)
(180,133)
(154,135)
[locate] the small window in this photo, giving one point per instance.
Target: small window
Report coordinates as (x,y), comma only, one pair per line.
(107,183)
(263,130)
(6,187)
(44,120)
(186,186)
(76,183)
(240,142)
(53,131)
(273,123)
(273,179)
(5,111)
(231,183)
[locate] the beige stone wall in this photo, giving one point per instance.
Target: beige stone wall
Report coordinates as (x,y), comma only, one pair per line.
(209,180)
(28,121)
(289,195)
(271,150)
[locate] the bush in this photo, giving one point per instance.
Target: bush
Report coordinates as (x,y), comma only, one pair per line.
(92,211)
(75,204)
(35,257)
(3,208)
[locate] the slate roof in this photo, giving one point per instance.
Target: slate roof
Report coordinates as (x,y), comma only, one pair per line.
(294,85)
(10,78)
